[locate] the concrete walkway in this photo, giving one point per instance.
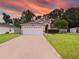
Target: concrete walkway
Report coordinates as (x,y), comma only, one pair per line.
(28,47)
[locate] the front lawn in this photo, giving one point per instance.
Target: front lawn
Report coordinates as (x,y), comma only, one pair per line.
(67,45)
(6,37)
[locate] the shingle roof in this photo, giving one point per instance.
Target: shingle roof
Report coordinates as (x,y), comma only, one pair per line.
(33,24)
(5,25)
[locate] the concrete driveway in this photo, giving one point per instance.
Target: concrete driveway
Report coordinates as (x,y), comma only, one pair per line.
(28,47)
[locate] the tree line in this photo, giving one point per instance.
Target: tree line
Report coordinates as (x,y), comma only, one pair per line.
(70,17)
(25,17)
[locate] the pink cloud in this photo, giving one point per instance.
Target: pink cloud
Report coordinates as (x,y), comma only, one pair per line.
(39,7)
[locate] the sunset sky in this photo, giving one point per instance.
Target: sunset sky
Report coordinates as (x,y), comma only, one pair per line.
(39,7)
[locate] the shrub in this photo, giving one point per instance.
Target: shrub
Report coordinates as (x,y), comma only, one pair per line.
(60,24)
(6,32)
(53,31)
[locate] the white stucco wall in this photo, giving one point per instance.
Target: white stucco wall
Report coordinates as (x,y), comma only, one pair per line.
(73,30)
(3,30)
(62,30)
(32,30)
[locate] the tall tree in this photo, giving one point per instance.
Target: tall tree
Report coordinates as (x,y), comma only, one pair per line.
(72,16)
(27,16)
(60,23)
(6,18)
(57,13)
(17,22)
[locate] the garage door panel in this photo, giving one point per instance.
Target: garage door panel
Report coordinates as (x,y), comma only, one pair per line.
(33,30)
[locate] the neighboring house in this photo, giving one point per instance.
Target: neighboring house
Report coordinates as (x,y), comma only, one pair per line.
(74,30)
(62,30)
(4,28)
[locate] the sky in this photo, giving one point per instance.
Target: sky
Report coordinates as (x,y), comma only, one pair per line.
(38,7)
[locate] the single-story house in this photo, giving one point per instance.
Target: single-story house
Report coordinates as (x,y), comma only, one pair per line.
(36,27)
(74,30)
(4,28)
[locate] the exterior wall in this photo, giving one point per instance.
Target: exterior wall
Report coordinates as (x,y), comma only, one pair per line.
(12,30)
(49,26)
(3,30)
(62,30)
(17,30)
(73,30)
(32,30)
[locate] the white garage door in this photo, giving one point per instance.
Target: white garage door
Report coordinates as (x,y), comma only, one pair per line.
(32,30)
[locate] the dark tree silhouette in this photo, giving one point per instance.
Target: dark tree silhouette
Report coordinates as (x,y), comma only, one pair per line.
(57,13)
(26,16)
(6,18)
(38,17)
(72,16)
(17,22)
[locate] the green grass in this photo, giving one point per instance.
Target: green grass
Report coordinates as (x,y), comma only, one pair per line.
(67,45)
(6,37)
